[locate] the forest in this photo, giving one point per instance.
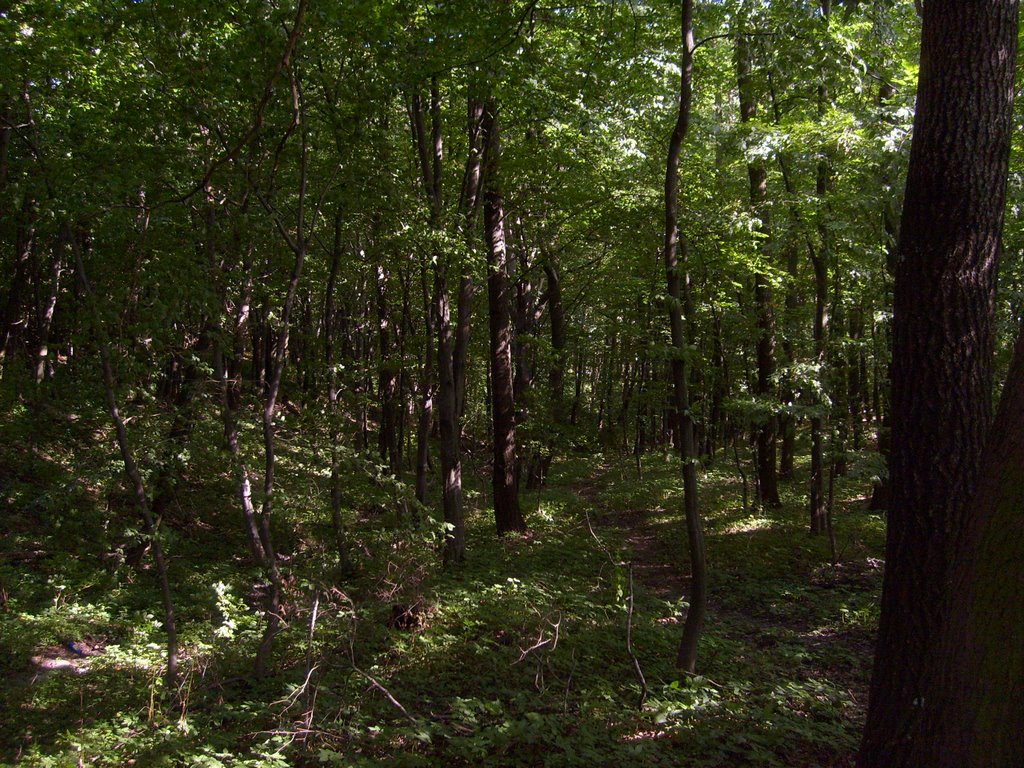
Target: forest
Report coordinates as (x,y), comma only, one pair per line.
(511,383)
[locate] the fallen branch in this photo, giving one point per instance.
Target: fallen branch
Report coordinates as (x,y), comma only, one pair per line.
(629,645)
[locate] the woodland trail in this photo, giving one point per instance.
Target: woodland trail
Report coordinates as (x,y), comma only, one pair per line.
(651,557)
(765,622)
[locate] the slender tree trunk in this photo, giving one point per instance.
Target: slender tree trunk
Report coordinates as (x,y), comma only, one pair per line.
(507,514)
(298,243)
(767,428)
(387,381)
(228,369)
(819,261)
(149,522)
(44,363)
(788,421)
(856,370)
(943,338)
(577,395)
(430,153)
(24,243)
(333,415)
(686,658)
(468,203)
(556,373)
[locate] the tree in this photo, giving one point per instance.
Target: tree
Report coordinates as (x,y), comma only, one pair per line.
(976,718)
(943,338)
(686,658)
(505,481)
(757,174)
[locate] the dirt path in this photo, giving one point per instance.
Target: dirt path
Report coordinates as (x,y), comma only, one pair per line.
(652,559)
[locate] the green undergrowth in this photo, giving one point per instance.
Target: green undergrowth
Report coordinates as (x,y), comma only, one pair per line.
(517,658)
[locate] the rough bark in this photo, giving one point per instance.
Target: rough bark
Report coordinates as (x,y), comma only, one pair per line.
(944,300)
(507,514)
(976,717)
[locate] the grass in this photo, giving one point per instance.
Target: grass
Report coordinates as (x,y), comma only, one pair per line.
(519,658)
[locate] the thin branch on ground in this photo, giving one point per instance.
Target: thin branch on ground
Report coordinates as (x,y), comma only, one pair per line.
(629,645)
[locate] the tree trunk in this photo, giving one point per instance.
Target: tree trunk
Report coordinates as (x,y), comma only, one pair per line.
(556,373)
(787,425)
(228,370)
(333,416)
(976,717)
(44,363)
(469,197)
(819,262)
(767,428)
(23,245)
(507,514)
(149,522)
(387,382)
(943,331)
(686,658)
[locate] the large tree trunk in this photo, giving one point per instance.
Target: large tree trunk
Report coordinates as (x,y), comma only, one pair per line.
(686,658)
(507,514)
(943,334)
(976,717)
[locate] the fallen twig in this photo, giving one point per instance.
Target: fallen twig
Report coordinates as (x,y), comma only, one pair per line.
(629,644)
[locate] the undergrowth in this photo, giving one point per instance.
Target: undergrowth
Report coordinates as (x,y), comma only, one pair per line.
(518,658)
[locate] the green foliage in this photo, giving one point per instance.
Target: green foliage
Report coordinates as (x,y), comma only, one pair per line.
(518,658)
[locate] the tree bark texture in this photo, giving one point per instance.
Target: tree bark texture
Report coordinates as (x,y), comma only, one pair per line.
(976,715)
(507,514)
(942,347)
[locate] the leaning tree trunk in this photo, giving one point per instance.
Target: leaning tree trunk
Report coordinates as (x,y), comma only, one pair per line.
(943,331)
(150,525)
(686,658)
(507,514)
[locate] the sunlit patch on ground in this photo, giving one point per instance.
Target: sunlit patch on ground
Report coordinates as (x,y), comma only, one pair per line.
(645,736)
(748,525)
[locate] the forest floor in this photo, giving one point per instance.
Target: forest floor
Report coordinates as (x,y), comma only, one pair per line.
(518,658)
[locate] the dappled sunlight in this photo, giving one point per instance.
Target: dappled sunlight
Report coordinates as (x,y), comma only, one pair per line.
(748,525)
